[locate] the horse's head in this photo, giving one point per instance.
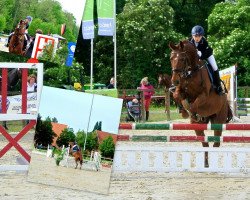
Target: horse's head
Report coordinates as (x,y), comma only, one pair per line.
(164,79)
(21,27)
(183,59)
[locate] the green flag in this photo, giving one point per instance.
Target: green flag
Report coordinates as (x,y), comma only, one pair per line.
(105,11)
(87,20)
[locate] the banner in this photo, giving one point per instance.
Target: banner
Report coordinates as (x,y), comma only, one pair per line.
(71,48)
(14,103)
(87,20)
(105,11)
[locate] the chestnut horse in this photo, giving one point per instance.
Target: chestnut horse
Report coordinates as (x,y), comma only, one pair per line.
(195,92)
(17,40)
(76,154)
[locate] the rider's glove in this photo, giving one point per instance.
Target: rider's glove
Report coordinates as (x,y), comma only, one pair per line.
(199,53)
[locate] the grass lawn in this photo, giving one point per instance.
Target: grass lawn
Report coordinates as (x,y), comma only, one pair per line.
(156,114)
(15,126)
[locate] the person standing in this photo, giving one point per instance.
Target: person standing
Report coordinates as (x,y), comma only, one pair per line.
(148,93)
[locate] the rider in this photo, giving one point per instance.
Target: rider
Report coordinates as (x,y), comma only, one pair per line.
(75,148)
(28,21)
(205,52)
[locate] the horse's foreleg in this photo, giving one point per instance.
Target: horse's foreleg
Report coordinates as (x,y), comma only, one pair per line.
(204,144)
(76,164)
(217,133)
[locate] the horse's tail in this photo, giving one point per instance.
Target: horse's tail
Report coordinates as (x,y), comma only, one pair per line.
(229,114)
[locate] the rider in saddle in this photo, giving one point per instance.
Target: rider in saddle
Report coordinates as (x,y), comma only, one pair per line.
(28,21)
(75,148)
(205,52)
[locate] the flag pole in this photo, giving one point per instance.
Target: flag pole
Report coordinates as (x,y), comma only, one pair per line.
(91,65)
(114,40)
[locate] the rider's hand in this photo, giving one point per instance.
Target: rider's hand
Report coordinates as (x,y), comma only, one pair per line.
(199,53)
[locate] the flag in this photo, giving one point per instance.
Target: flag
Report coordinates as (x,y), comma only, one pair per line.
(105,11)
(70,57)
(87,20)
(63,29)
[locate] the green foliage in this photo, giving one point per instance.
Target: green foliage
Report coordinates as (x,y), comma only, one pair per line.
(91,142)
(2,23)
(43,134)
(59,158)
(98,126)
(107,147)
(229,26)
(54,120)
(189,13)
(47,16)
(143,39)
(66,136)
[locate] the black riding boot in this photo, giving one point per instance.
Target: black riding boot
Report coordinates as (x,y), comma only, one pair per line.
(217,82)
(147,115)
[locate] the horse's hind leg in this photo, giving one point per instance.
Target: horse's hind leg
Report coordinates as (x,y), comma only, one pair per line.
(204,144)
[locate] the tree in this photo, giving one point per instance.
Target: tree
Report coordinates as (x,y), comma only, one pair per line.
(66,136)
(107,147)
(2,23)
(229,27)
(43,134)
(144,29)
(190,13)
(91,142)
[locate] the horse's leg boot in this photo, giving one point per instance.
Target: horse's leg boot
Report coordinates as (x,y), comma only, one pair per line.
(217,82)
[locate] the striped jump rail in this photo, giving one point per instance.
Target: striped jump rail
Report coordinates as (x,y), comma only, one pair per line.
(243,106)
(150,138)
(173,126)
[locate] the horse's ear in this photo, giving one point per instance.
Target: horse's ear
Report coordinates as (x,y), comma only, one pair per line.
(172,46)
(181,45)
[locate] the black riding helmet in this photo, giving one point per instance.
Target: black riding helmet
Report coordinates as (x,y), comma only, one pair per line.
(198,30)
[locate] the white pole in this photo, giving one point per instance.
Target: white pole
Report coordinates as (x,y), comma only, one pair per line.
(114,39)
(91,65)
(84,147)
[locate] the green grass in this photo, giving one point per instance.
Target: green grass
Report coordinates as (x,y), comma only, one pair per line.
(15,126)
(156,114)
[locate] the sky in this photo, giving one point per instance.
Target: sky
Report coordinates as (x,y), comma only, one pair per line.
(75,7)
(74,109)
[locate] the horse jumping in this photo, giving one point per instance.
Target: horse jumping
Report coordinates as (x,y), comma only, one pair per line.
(17,40)
(76,152)
(195,92)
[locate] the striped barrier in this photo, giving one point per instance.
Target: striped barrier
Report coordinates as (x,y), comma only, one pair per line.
(151,138)
(147,126)
(143,157)
(243,106)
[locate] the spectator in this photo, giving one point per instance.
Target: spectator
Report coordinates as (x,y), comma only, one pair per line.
(145,85)
(31,85)
(111,83)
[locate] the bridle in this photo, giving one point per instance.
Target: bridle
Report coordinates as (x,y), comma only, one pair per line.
(185,70)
